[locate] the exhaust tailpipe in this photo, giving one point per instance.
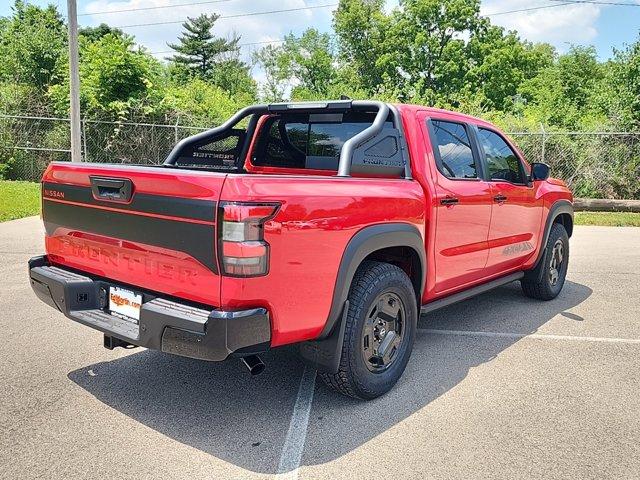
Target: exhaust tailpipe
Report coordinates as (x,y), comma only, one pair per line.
(254,364)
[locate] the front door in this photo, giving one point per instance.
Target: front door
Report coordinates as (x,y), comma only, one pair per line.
(517,213)
(463,210)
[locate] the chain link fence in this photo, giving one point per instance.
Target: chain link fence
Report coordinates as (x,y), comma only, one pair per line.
(28,144)
(593,164)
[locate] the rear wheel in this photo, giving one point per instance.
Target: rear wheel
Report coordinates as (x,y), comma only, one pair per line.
(546,281)
(379,333)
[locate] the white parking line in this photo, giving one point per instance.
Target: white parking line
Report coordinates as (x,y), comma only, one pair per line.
(539,336)
(296,435)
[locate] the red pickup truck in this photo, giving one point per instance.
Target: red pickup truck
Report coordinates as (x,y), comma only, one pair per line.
(332,225)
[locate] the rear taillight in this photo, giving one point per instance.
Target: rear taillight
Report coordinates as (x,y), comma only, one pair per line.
(243,250)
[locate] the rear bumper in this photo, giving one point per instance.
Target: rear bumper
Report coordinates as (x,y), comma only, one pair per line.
(164,325)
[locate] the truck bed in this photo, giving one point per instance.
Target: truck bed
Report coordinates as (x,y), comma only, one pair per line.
(162,238)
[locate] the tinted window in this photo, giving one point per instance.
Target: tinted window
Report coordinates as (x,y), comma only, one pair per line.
(502,161)
(297,142)
(454,154)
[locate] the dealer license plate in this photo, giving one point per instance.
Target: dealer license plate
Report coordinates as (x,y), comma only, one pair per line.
(124,302)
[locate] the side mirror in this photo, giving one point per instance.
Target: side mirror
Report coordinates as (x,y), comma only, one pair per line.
(539,171)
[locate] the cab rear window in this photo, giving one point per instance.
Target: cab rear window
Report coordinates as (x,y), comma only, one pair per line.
(308,141)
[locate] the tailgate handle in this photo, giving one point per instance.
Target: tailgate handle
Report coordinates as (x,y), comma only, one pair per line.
(111,189)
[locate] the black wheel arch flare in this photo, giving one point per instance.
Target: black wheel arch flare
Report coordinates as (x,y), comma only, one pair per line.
(560,207)
(365,242)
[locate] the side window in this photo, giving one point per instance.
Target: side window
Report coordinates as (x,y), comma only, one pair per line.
(453,150)
(502,161)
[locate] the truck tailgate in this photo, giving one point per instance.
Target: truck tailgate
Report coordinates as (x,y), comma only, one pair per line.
(160,236)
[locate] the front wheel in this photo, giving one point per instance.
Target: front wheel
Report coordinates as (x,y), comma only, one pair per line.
(546,280)
(379,333)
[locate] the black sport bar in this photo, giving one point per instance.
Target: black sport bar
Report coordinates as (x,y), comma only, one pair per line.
(344,165)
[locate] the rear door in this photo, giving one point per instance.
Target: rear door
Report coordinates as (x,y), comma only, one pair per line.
(463,210)
(151,228)
(517,212)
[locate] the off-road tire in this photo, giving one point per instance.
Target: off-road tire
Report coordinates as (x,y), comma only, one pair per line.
(354,378)
(537,283)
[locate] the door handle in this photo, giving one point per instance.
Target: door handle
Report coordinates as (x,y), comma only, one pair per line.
(449,201)
(111,189)
(500,198)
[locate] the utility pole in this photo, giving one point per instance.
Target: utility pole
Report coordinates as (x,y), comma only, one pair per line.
(74,77)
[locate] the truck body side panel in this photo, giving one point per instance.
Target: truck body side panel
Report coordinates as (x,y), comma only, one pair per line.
(544,194)
(308,236)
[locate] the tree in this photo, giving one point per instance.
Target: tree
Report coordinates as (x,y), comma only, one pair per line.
(276,73)
(307,62)
(499,63)
(563,93)
(622,84)
(93,34)
(310,60)
(361,27)
(427,54)
(32,44)
(234,76)
(197,102)
(116,78)
(199,52)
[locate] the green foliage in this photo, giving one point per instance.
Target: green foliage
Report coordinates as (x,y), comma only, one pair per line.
(199,51)
(93,34)
(32,43)
(361,27)
(561,93)
(308,62)
(5,165)
(116,78)
(200,54)
(498,65)
(234,77)
(16,97)
(199,103)
(428,57)
(622,82)
(435,52)
(276,72)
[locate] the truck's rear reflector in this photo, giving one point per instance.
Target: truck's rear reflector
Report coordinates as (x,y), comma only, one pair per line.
(245,253)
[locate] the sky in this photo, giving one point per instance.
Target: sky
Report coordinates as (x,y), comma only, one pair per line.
(560,23)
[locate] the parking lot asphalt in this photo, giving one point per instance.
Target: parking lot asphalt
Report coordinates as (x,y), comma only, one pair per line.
(499,386)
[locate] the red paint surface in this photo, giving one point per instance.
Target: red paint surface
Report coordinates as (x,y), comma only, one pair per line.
(465,243)
(138,264)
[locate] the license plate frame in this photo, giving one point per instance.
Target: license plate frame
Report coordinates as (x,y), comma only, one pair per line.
(125,303)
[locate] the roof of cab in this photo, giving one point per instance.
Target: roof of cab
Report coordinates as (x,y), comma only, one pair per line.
(411,108)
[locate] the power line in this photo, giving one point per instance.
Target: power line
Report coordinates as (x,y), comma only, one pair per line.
(208,2)
(520,10)
(238,15)
(249,44)
(250,14)
(107,12)
(597,2)
(527,9)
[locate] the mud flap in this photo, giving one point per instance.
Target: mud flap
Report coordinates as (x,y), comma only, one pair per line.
(325,354)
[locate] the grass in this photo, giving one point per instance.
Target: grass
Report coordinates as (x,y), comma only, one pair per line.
(18,199)
(22,199)
(608,219)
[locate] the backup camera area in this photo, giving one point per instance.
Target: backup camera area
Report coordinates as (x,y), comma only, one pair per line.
(346,137)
